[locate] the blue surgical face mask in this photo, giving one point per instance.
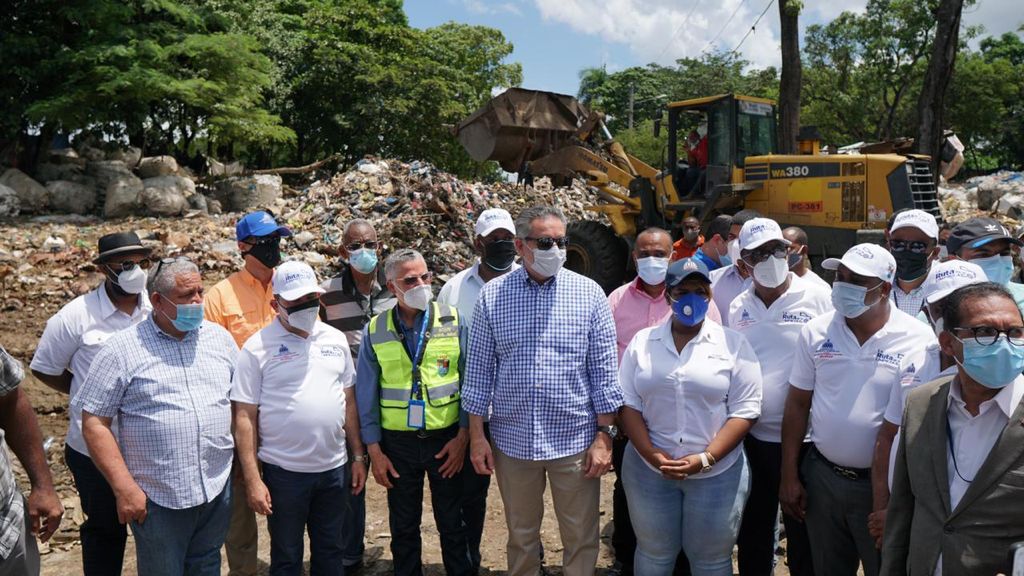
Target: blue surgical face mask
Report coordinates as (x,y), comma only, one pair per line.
(690,308)
(848,299)
(188,318)
(998,269)
(994,366)
(363,260)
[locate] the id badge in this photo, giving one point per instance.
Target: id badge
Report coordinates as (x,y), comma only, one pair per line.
(416,409)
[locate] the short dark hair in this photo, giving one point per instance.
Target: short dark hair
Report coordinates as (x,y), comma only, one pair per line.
(799,235)
(952,304)
(743,216)
(720,226)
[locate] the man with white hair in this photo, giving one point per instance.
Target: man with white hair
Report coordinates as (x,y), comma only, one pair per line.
(295,411)
(167,380)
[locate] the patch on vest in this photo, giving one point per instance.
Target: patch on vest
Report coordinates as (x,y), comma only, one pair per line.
(444,331)
(443,365)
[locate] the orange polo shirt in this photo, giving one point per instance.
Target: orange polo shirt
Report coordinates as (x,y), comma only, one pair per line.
(241,304)
(680,249)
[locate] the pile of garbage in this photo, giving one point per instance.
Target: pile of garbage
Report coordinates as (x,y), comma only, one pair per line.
(1000,194)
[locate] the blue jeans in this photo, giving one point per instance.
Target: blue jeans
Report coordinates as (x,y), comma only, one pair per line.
(188,541)
(354,521)
(699,515)
(302,501)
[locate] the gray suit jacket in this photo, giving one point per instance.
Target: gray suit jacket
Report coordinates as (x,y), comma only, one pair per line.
(974,539)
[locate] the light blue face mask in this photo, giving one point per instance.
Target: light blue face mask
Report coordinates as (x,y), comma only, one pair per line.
(998,269)
(994,366)
(848,299)
(363,260)
(188,318)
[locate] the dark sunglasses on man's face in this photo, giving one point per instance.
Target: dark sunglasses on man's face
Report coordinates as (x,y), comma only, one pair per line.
(372,245)
(917,247)
(410,281)
(546,242)
(257,240)
(128,265)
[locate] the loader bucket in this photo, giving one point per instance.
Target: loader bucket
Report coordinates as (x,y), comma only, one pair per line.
(520,125)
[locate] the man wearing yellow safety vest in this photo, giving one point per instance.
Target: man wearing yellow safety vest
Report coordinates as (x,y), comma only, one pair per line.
(408,382)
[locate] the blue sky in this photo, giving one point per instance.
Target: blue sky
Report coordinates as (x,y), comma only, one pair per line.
(555,39)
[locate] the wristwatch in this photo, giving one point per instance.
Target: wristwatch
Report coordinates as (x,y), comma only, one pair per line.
(706,461)
(361,458)
(612,431)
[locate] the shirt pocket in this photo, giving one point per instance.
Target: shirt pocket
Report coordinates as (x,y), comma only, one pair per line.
(241,323)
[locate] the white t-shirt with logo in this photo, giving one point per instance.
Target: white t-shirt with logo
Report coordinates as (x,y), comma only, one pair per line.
(773,332)
(852,383)
(299,386)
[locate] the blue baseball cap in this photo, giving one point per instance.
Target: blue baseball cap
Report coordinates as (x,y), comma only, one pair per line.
(259,224)
(682,269)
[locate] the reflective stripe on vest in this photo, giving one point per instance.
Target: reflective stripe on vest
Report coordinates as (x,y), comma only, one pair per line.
(438,369)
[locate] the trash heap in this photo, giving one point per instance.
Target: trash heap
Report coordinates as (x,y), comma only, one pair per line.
(1000,195)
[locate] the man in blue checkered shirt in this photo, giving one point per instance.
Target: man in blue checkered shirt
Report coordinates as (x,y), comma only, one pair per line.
(542,361)
(167,380)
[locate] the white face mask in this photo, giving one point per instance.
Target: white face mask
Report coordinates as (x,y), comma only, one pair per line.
(734,250)
(652,270)
(303,320)
(132,281)
(772,272)
(419,297)
(547,263)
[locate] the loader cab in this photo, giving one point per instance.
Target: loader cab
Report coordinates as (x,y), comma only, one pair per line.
(737,127)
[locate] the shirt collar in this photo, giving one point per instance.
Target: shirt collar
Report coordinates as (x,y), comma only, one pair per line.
(159,332)
(638,290)
(107,307)
(531,283)
(1007,399)
(663,333)
(251,280)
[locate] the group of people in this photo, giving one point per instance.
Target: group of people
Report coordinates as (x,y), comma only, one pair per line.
(882,413)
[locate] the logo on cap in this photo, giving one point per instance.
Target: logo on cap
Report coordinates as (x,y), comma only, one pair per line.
(992,228)
(267,219)
(690,265)
(863,253)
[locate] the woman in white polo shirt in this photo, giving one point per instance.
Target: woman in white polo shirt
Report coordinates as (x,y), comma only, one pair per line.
(692,391)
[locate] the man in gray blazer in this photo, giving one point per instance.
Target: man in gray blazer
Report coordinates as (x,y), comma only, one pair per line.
(958,490)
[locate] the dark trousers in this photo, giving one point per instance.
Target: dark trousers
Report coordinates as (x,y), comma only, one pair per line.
(474,505)
(305,501)
(354,522)
(756,541)
(413,457)
(103,536)
(623,537)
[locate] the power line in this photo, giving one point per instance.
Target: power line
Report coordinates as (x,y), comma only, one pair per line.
(726,25)
(749,32)
(678,28)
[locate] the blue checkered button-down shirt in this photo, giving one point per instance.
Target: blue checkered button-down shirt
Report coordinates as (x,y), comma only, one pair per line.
(12,506)
(171,398)
(543,357)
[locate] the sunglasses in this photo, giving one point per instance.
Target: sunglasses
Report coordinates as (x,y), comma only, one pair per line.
(410,281)
(258,240)
(758,256)
(128,265)
(546,242)
(168,261)
(372,245)
(917,247)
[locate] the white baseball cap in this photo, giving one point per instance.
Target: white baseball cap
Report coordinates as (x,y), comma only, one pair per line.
(919,219)
(945,277)
(758,231)
(866,260)
(493,219)
(294,279)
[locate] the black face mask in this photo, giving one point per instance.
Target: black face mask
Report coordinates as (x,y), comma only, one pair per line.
(910,265)
(691,236)
(500,254)
(267,251)
(794,259)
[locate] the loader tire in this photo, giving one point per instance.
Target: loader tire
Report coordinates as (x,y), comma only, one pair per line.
(596,252)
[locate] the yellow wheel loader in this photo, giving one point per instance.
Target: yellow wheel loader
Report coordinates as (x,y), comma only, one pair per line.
(839,199)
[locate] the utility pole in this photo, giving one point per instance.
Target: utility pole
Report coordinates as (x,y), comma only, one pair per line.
(631,103)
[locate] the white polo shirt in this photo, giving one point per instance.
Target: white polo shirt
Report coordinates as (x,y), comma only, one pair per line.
(811,277)
(686,397)
(726,285)
(72,338)
(463,290)
(852,383)
(299,386)
(773,332)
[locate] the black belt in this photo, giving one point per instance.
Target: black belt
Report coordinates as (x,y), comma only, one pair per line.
(422,433)
(844,471)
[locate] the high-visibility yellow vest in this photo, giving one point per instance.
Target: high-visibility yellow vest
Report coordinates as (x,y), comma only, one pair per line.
(438,370)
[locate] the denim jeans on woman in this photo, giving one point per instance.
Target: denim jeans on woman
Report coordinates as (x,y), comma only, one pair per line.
(699,515)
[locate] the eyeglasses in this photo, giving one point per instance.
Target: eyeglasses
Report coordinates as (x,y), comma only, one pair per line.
(917,247)
(410,281)
(762,254)
(372,245)
(257,240)
(163,261)
(547,242)
(127,265)
(987,335)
